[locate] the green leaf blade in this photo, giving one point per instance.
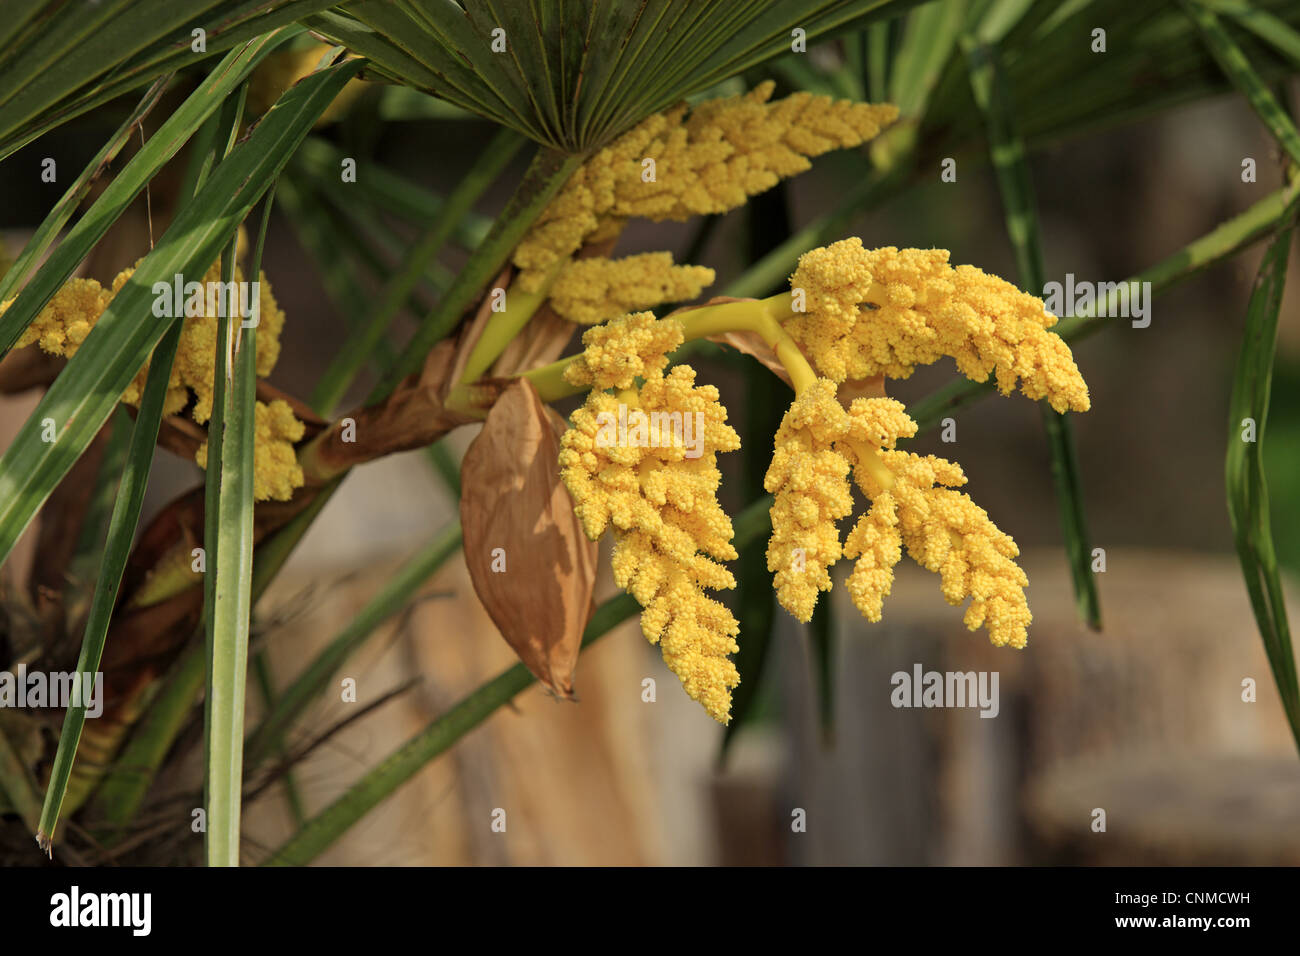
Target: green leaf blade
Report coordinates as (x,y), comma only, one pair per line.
(88,389)
(1019,206)
(1248,502)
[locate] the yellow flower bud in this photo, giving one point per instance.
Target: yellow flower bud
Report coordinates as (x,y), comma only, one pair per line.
(675,166)
(595,289)
(624,349)
(810,481)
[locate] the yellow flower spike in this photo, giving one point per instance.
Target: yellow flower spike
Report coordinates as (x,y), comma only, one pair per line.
(624,349)
(874,423)
(660,499)
(592,290)
(558,233)
(947,533)
(943,530)
(739,146)
(193,368)
(886,311)
(876,543)
(73,311)
(711,161)
(810,481)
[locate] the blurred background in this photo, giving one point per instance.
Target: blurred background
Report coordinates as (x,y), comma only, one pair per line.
(1144,720)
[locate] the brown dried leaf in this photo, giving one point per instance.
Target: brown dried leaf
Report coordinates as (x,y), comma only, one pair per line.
(28,368)
(514,501)
(543,340)
(473,329)
(412,417)
(179,434)
(144,639)
(56,540)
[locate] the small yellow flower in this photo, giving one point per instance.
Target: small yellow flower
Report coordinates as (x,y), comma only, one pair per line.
(886,311)
(624,349)
(595,289)
(810,481)
(660,499)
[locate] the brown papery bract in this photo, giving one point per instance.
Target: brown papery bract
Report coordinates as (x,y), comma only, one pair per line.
(532,567)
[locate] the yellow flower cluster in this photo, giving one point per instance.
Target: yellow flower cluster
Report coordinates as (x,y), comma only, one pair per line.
(944,531)
(67,318)
(859,313)
(624,349)
(65,322)
(810,482)
(592,290)
(276,472)
(912,505)
(674,166)
(194,369)
(657,491)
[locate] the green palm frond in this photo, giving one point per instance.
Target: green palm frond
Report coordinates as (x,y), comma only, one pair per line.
(60,59)
(572,74)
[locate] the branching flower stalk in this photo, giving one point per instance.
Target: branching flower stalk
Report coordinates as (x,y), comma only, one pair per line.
(760,316)
(851,314)
(519,306)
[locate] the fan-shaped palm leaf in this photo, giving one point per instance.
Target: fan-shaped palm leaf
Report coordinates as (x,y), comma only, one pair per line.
(571,74)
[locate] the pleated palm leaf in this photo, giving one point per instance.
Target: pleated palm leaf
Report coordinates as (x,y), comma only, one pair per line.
(59,59)
(572,74)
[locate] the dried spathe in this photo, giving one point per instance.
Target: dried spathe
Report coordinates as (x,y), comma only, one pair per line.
(531,566)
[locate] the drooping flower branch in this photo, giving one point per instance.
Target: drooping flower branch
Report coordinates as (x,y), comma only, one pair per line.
(852,314)
(640,455)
